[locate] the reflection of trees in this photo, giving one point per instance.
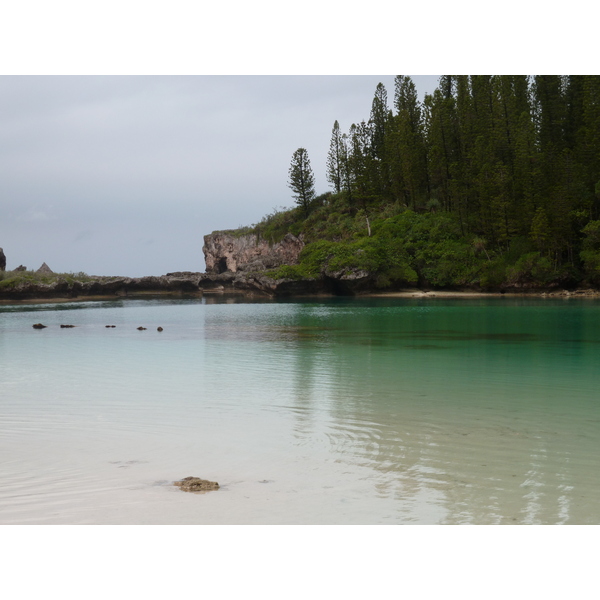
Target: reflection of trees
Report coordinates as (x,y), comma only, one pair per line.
(441,410)
(304,387)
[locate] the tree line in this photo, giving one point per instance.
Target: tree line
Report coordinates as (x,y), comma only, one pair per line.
(510,157)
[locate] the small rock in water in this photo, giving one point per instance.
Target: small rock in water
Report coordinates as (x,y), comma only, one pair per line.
(67,326)
(142,328)
(159,329)
(110,326)
(195,484)
(39,326)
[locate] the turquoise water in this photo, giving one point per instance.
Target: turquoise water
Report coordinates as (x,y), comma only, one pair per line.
(334,410)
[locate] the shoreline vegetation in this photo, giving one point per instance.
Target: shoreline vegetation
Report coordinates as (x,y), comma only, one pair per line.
(490,184)
(34,287)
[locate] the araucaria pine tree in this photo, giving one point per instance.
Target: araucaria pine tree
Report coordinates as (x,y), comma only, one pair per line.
(335,158)
(301,179)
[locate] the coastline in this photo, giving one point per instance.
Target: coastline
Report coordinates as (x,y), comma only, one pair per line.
(158,293)
(416,293)
(70,289)
(65,288)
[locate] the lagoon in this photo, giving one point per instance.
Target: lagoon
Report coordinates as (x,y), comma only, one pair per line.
(312,411)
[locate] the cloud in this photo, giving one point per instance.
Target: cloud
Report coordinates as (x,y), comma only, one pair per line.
(84,235)
(36,214)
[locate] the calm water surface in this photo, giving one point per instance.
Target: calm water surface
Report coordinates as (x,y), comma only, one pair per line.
(326,411)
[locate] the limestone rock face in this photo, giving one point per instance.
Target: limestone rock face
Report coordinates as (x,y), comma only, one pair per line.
(225,252)
(259,284)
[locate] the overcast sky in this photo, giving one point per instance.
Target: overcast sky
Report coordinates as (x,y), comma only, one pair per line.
(124,175)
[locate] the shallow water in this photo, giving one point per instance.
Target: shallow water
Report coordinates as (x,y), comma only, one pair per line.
(325,411)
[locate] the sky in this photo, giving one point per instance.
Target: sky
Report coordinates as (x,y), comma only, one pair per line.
(124,175)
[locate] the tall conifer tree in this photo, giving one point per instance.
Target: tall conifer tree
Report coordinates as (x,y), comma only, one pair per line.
(335,159)
(301,179)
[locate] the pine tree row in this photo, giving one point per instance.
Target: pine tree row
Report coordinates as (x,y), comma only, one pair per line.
(511,157)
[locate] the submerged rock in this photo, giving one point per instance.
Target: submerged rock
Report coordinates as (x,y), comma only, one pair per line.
(195,484)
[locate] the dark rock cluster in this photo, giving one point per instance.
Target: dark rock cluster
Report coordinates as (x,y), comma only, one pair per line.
(344,283)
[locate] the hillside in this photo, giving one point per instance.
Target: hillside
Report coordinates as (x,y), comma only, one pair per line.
(490,183)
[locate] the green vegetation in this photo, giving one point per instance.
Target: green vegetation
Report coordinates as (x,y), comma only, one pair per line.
(302,180)
(14,279)
(411,248)
(491,181)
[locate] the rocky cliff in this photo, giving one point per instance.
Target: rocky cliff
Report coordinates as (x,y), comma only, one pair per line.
(240,264)
(224,252)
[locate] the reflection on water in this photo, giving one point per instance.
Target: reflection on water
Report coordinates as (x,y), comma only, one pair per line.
(357,411)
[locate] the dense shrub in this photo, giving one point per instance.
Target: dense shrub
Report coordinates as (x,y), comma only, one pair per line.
(397,246)
(531,268)
(590,253)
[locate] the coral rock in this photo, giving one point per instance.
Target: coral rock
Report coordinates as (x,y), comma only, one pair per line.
(195,484)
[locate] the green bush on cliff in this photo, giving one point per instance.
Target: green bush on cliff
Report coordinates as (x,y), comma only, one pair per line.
(288,272)
(398,246)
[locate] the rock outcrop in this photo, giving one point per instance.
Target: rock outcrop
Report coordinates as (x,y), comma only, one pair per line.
(225,252)
(240,264)
(259,284)
(195,484)
(45,269)
(103,286)
(2,260)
